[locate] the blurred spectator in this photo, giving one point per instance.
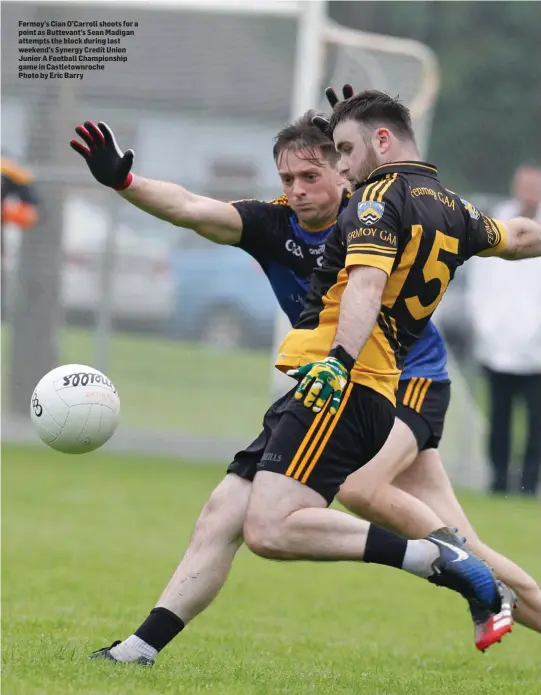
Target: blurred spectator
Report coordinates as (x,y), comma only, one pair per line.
(19,206)
(506,311)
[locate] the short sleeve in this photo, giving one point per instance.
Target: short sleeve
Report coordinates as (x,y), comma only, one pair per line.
(371,224)
(262,226)
(486,236)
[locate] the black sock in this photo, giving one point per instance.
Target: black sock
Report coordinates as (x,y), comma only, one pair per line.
(160,628)
(384,547)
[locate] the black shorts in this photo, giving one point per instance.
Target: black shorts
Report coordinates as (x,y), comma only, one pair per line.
(318,449)
(422,404)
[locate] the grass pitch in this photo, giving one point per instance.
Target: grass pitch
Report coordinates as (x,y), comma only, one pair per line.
(89,542)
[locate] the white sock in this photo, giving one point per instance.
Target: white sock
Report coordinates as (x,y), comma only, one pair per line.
(132,648)
(419,558)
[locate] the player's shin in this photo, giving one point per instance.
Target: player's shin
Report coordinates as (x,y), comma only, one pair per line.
(200,575)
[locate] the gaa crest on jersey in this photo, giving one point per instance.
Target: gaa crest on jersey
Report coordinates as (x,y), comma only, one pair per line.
(369,212)
(472,212)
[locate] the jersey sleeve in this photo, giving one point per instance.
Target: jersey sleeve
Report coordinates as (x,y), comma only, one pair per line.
(262,226)
(21,182)
(371,224)
(486,236)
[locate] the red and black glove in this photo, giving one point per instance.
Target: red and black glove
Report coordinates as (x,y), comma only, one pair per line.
(107,163)
(323,123)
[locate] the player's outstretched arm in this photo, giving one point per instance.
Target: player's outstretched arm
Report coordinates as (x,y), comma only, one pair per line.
(213,219)
(523,239)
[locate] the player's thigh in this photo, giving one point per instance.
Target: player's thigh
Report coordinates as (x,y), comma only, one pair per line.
(421,406)
(427,480)
(320,450)
(397,453)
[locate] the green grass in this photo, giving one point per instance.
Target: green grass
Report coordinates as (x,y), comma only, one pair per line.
(173,385)
(88,544)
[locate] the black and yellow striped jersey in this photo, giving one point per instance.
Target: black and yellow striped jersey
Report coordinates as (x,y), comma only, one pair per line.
(403,221)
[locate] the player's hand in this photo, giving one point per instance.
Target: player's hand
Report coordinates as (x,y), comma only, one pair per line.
(321,381)
(324,123)
(107,163)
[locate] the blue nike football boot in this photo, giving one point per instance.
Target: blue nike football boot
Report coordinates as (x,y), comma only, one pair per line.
(457,568)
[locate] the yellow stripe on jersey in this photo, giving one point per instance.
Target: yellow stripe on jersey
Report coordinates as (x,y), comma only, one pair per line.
(379,260)
(384,190)
(373,247)
(370,191)
(500,231)
(422,395)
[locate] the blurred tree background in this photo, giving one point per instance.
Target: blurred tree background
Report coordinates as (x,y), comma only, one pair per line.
(488,117)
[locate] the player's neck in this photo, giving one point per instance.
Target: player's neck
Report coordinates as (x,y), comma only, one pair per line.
(324,222)
(404,154)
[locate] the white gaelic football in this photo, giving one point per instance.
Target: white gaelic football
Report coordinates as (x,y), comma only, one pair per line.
(75,409)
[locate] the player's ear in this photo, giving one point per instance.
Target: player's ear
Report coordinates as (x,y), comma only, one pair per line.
(383,140)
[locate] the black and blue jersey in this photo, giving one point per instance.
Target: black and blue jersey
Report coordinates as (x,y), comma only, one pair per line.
(288,253)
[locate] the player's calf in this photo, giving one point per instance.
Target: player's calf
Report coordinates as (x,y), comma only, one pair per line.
(198,578)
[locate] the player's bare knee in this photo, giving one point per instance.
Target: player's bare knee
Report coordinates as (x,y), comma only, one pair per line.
(354,498)
(224,511)
(264,536)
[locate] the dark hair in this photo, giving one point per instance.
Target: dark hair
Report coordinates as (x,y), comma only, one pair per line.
(375,109)
(302,134)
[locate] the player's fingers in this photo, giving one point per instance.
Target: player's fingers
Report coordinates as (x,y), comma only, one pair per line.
(326,392)
(313,393)
(80,149)
(322,123)
(332,97)
(95,132)
(126,163)
(347,91)
(323,398)
(302,387)
(83,133)
(335,402)
(107,134)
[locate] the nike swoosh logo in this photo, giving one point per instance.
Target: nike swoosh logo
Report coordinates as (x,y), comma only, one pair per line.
(461,555)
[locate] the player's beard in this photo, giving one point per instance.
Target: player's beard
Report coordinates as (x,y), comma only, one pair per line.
(368,164)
